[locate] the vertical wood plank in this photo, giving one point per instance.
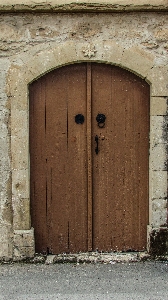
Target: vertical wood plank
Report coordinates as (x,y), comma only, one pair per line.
(89,156)
(103,192)
(38,164)
(120,170)
(56,147)
(58,160)
(77,158)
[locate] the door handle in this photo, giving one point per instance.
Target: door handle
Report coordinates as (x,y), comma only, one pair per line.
(101,118)
(97,144)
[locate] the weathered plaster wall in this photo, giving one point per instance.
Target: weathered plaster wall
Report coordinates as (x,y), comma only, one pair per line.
(5,172)
(25,32)
(24,38)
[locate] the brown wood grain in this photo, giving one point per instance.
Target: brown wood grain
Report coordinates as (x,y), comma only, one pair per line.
(120,170)
(89,156)
(62,205)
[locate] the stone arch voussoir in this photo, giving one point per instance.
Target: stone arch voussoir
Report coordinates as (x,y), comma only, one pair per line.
(133,59)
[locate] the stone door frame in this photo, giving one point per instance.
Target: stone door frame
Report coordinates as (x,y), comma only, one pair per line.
(20,76)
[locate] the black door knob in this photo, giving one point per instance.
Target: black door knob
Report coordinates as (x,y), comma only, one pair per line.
(101,120)
(79,119)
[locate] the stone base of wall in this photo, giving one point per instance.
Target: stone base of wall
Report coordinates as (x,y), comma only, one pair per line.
(158,242)
(23,244)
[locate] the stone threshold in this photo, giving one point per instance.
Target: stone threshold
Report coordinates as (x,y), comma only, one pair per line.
(95,257)
(88,257)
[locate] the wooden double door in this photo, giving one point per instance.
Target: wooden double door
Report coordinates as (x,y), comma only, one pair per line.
(89,131)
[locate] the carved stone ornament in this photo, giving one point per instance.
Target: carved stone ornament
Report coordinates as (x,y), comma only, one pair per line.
(89,51)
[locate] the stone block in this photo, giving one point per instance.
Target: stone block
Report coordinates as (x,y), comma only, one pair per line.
(23,244)
(158,157)
(159,212)
(158,184)
(17,87)
(88,51)
(20,102)
(97,49)
(112,52)
(20,153)
(20,253)
(21,214)
(158,130)
(18,82)
(6,250)
(65,53)
(19,139)
(24,238)
(20,184)
(158,76)
(38,66)
(19,122)
(137,61)
(158,106)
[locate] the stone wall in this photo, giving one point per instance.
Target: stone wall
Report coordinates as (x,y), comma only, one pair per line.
(28,32)
(34,43)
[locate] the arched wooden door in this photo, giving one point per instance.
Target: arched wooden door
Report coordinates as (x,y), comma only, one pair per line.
(89,131)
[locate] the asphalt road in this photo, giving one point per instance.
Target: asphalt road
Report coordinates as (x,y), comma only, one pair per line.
(119,281)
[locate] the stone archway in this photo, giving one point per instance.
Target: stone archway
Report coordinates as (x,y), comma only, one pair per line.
(20,76)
